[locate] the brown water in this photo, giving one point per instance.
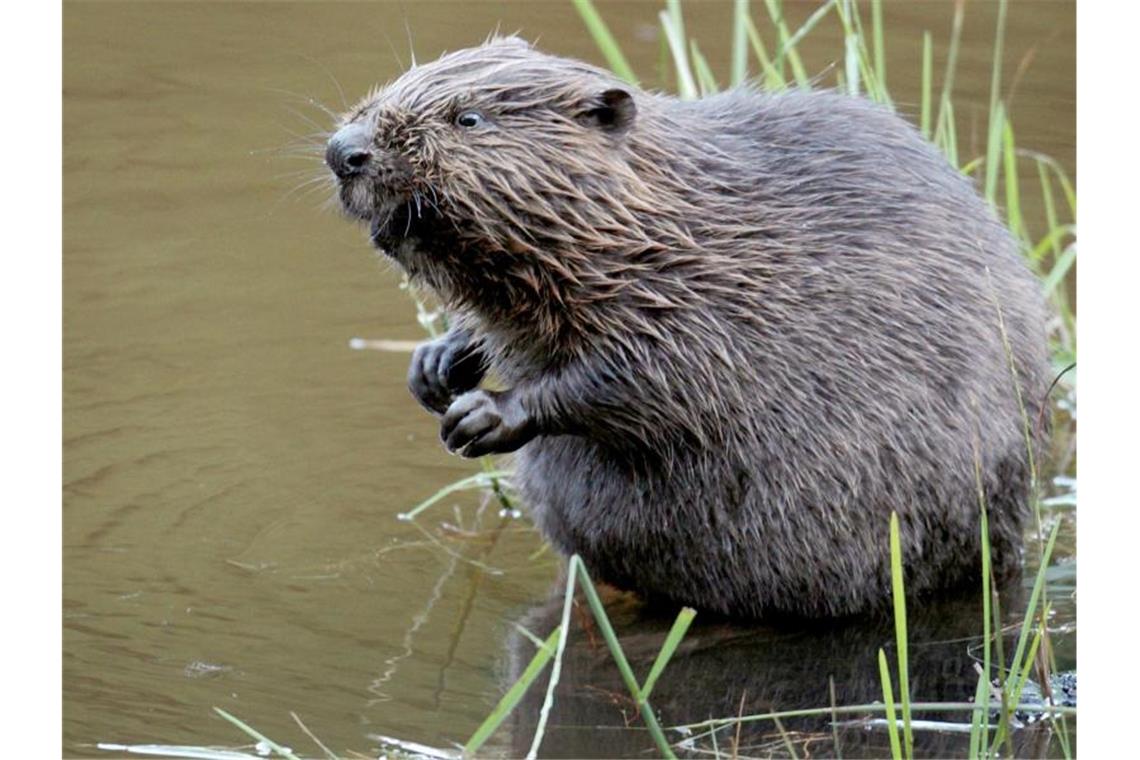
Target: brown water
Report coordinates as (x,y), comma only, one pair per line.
(232,471)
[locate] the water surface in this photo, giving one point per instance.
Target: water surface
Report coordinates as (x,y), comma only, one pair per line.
(232,471)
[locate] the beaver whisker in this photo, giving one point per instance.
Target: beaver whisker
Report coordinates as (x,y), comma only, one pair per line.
(312,191)
(307,145)
(309,100)
(336,83)
(431,202)
(309,120)
(306,173)
(298,154)
(388,217)
(408,225)
(304,188)
(381,221)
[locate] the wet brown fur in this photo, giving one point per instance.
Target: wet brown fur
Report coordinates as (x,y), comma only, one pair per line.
(741,331)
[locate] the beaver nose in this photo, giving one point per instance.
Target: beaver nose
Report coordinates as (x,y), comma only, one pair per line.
(349,150)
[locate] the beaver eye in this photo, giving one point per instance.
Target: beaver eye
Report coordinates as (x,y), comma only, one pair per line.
(470,119)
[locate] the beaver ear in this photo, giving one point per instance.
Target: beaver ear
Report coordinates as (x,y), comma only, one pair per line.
(612,111)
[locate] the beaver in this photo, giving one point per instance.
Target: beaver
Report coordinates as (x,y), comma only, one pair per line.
(731,335)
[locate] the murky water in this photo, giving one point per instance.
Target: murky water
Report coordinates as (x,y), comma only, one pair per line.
(233,471)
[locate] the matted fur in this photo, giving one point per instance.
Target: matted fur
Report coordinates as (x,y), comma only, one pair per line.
(745,328)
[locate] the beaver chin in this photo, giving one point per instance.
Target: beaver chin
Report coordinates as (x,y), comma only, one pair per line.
(403,229)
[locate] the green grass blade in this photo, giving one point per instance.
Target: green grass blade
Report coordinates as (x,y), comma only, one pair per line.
(898,594)
(739,43)
(1013,215)
(889,703)
(664,63)
(999,652)
(538,643)
(1052,241)
(993,151)
(857,66)
(851,63)
(1050,208)
(605,41)
(484,479)
(429,320)
(1062,728)
(556,671)
(972,166)
(626,671)
(1067,187)
(1023,676)
(997,112)
(1034,595)
(834,717)
(979,724)
(496,478)
(1060,269)
(944,99)
(787,739)
(1018,662)
(1062,179)
(947,130)
(676,633)
(1011,695)
(927,76)
(282,751)
(705,80)
(1062,259)
(773,79)
(877,40)
(787,50)
(675,34)
(876,89)
(987,601)
(514,695)
(809,24)
(999,45)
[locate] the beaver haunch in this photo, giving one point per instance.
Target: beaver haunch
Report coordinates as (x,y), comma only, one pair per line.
(735,333)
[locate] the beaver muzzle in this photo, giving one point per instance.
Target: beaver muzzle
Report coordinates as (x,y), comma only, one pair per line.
(376,187)
(349,151)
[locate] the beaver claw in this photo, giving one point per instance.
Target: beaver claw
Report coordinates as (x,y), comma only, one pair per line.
(485,422)
(445,368)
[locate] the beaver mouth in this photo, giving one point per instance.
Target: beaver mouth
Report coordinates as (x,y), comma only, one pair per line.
(399,222)
(393,216)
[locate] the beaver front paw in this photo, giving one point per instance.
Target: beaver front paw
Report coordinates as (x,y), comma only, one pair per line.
(444,368)
(486,422)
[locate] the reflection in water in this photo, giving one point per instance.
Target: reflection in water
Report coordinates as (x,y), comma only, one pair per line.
(392,663)
(476,542)
(722,670)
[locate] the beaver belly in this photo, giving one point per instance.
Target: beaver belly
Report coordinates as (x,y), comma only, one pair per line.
(635,527)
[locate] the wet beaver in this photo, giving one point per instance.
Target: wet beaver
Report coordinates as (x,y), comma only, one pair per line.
(735,334)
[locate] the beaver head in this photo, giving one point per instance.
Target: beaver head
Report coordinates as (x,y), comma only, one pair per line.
(503,178)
